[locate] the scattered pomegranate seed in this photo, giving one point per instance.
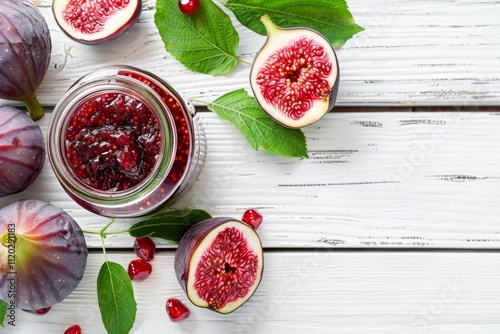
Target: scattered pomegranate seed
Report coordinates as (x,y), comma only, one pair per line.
(253,218)
(189,7)
(40,311)
(43,310)
(139,270)
(145,248)
(176,310)
(75,329)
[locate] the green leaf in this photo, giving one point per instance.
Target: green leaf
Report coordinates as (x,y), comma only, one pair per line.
(3,312)
(259,129)
(115,296)
(170,225)
(204,42)
(331,18)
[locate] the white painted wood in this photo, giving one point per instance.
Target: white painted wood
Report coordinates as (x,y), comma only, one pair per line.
(412,52)
(324,292)
(373,180)
(384,180)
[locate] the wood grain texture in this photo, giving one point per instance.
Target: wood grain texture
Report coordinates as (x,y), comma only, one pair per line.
(324,292)
(411,53)
(383,180)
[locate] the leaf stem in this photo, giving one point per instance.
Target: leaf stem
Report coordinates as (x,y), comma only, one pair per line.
(91,232)
(103,232)
(104,249)
(246,62)
(103,236)
(117,232)
(193,99)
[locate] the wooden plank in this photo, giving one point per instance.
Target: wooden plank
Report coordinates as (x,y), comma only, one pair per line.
(384,180)
(328,292)
(412,52)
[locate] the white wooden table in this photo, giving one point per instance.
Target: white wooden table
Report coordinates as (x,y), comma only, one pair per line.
(391,226)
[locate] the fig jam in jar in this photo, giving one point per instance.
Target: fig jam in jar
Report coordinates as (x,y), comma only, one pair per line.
(123,143)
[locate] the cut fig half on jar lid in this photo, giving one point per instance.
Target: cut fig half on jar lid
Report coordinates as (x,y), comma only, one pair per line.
(95,21)
(295,76)
(219,263)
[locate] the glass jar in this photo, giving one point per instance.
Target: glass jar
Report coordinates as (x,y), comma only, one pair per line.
(123,143)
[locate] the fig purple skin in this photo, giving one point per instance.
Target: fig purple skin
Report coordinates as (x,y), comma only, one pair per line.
(77,19)
(43,254)
(219,263)
(25,53)
(22,150)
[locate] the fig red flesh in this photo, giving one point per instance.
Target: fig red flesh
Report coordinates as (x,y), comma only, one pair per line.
(219,263)
(295,75)
(96,21)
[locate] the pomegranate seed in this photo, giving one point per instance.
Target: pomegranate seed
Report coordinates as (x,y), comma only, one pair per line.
(40,311)
(75,329)
(139,270)
(189,7)
(176,310)
(253,218)
(145,248)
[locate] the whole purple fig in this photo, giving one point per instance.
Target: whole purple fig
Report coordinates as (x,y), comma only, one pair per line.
(24,54)
(22,152)
(43,254)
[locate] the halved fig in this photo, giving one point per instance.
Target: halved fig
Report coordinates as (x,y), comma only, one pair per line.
(295,75)
(25,53)
(22,150)
(96,21)
(219,263)
(43,254)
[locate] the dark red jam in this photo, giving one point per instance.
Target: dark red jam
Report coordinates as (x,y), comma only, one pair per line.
(183,139)
(113,141)
(122,142)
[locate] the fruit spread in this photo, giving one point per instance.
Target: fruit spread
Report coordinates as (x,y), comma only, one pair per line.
(123,143)
(113,141)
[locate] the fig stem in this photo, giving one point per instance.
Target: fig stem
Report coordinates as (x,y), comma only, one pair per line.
(270,26)
(5,239)
(34,107)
